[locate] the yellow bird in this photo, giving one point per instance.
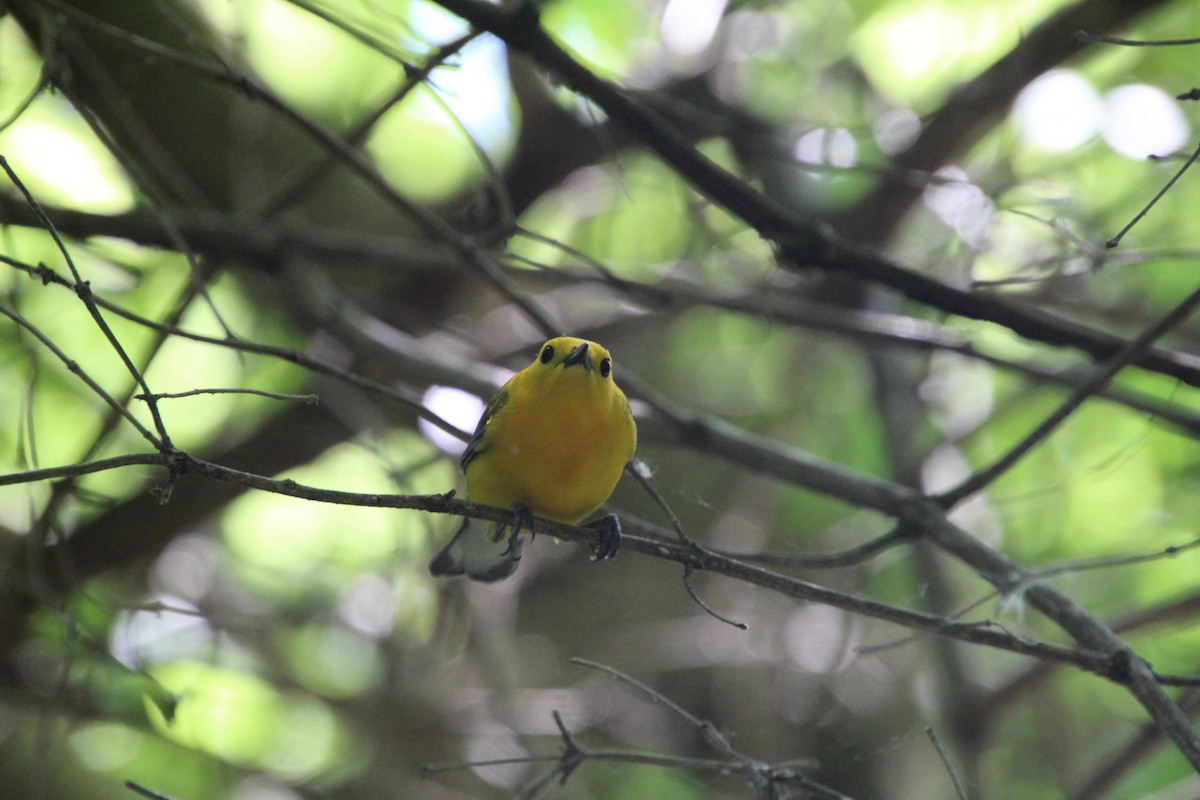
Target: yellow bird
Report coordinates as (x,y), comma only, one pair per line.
(552,443)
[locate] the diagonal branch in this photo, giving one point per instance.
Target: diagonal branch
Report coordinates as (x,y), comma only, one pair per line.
(1096,382)
(799,243)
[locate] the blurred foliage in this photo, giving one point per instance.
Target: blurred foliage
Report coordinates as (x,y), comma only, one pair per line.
(273,648)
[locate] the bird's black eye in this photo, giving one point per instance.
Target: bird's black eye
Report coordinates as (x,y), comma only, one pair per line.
(605,367)
(547,354)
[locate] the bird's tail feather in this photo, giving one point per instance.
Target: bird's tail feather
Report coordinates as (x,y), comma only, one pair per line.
(480,550)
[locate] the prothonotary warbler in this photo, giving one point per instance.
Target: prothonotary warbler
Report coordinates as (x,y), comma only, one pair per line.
(552,443)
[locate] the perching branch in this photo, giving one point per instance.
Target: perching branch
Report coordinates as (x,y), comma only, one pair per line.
(179,465)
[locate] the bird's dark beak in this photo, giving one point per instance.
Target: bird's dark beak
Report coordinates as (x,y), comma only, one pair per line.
(579,355)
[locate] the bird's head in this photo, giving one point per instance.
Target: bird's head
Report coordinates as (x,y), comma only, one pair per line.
(568,353)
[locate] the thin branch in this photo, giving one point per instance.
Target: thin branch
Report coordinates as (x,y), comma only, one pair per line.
(937,745)
(572,755)
(1084,36)
(362,37)
(687,585)
(708,731)
(798,243)
(1127,355)
(83,290)
(24,105)
(430,222)
(1003,698)
(779,774)
(1143,683)
(760,775)
(81,373)
(137,788)
(220,236)
(1108,562)
(85,468)
(458,766)
(405,398)
(413,77)
(1116,240)
(310,399)
(1033,577)
(846,558)
(641,473)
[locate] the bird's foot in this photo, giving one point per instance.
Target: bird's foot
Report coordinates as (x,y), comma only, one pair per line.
(522,520)
(609,542)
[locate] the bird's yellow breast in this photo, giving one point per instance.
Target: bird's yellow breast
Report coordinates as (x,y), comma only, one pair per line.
(557,443)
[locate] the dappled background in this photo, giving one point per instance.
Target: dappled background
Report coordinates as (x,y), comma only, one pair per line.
(845,254)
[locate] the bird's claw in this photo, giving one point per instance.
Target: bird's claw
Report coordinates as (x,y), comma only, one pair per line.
(522,520)
(609,543)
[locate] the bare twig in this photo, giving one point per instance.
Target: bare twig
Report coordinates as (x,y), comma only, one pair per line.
(221,236)
(82,374)
(398,394)
(24,105)
(1034,576)
(708,731)
(1077,398)
(137,788)
(413,77)
(937,745)
(641,473)
(1085,36)
(430,222)
(798,243)
(687,584)
(762,777)
(83,290)
(1116,240)
(310,399)
(850,557)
